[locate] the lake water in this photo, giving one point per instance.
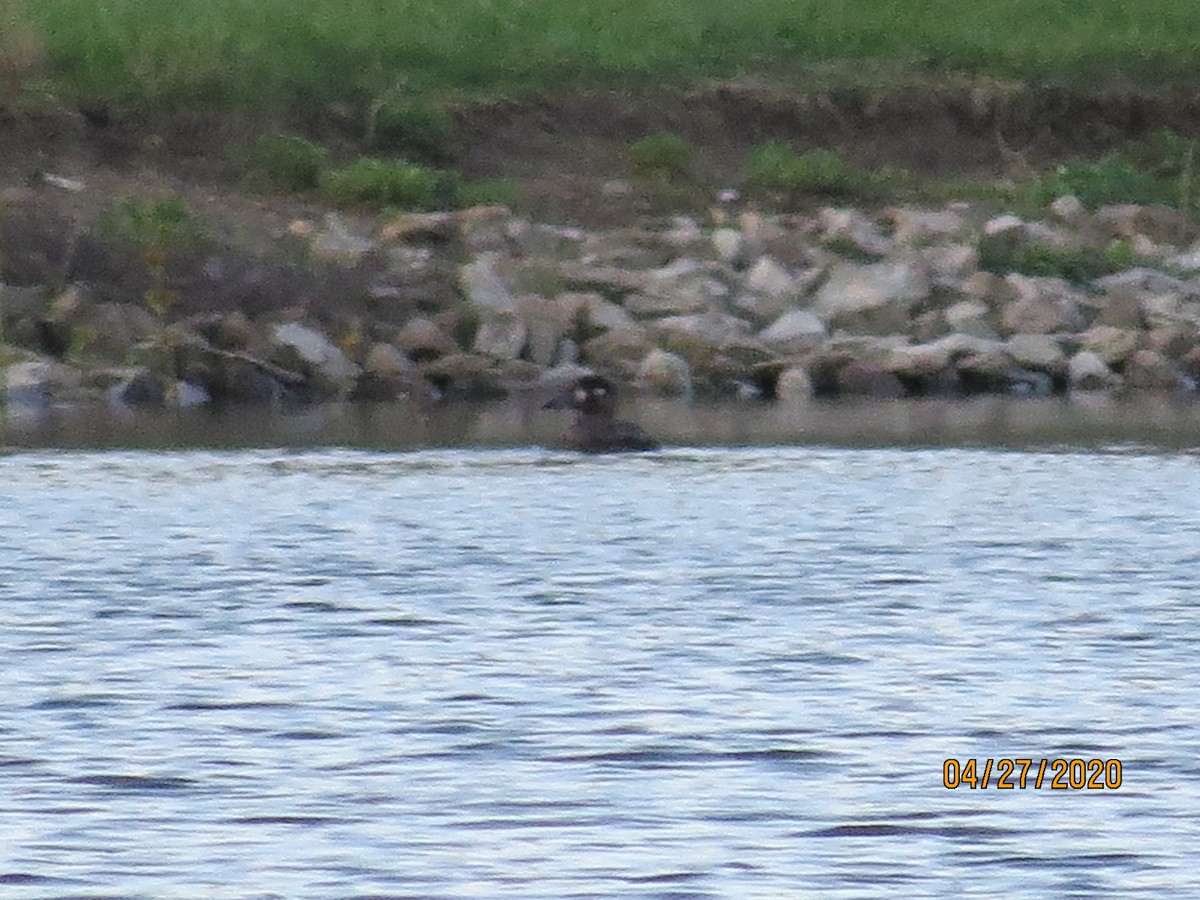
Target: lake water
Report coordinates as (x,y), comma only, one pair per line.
(702,673)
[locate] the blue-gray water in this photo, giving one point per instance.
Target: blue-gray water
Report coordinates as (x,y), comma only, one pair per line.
(701,673)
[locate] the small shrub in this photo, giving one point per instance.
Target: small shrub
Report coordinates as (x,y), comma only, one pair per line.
(488,192)
(288,162)
(775,168)
(1002,253)
(1112,179)
(1165,154)
(662,155)
(385,183)
(420,131)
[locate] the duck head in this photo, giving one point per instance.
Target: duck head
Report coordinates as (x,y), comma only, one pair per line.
(589,395)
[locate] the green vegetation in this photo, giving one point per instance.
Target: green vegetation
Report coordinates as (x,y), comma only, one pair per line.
(776,169)
(418,130)
(664,155)
(287,162)
(1160,169)
(305,55)
(159,228)
(1002,253)
(381,182)
(488,192)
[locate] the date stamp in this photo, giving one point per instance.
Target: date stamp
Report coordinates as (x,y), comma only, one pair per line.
(1012,774)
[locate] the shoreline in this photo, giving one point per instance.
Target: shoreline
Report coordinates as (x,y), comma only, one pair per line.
(143,269)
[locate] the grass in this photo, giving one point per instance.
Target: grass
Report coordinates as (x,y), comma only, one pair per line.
(1001,254)
(663,155)
(287,162)
(299,54)
(776,169)
(382,182)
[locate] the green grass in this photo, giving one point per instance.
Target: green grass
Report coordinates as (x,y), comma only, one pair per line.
(662,155)
(380,182)
(776,169)
(299,54)
(287,162)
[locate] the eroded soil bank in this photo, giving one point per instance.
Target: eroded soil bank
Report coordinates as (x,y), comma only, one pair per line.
(596,267)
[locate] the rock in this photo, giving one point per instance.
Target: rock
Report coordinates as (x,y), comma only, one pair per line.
(1160,223)
(19,302)
(306,350)
(986,372)
(872,299)
(917,361)
(186,395)
(665,303)
(337,244)
(729,243)
(770,278)
(422,339)
(920,226)
(141,387)
(793,386)
(949,264)
(1173,342)
(438,227)
(1188,260)
(546,324)
(1036,351)
(501,337)
(465,375)
(1151,281)
(714,328)
(1087,372)
(387,360)
(611,281)
(1148,370)
(683,232)
(796,331)
(1043,305)
(482,229)
(1003,224)
(1121,307)
(37,383)
(605,314)
(618,348)
(113,330)
(483,285)
(969,317)
(851,228)
(1169,310)
(665,373)
(1111,345)
(864,379)
(1069,209)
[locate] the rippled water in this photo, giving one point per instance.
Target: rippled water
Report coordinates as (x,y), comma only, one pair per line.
(700,673)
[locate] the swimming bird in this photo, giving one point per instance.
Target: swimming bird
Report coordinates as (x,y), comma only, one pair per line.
(596,430)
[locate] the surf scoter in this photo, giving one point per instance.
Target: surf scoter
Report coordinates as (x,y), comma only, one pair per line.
(594,400)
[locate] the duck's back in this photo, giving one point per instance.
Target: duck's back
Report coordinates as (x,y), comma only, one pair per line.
(603,435)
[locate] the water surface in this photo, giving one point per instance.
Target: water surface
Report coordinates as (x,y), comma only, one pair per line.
(698,673)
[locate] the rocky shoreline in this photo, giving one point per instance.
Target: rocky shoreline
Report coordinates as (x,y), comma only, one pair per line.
(479,303)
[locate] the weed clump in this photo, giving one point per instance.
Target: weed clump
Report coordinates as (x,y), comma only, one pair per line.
(1112,179)
(1002,254)
(775,168)
(288,162)
(417,130)
(662,155)
(160,228)
(488,192)
(381,182)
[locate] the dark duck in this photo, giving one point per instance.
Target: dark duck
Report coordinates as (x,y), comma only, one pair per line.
(596,430)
